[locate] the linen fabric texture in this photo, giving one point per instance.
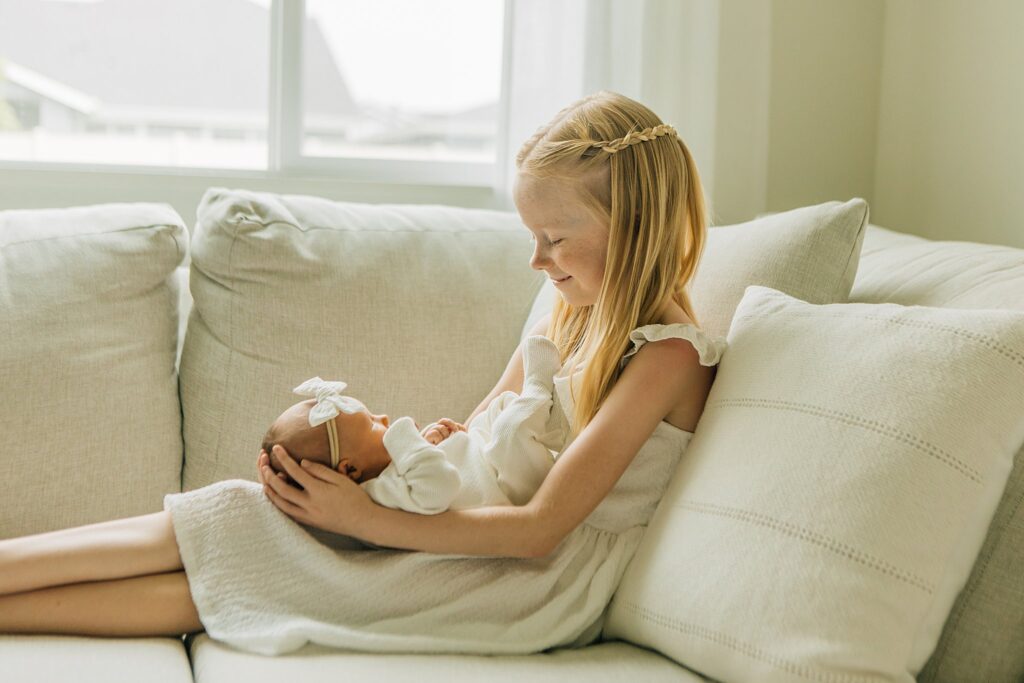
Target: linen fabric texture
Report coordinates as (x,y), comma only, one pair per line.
(285,287)
(837,489)
(89,314)
(983,639)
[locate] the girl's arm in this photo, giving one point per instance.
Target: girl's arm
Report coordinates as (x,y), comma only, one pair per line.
(657,379)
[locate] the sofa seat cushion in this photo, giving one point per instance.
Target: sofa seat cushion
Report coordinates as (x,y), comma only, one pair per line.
(417,308)
(983,638)
(31,659)
(89,408)
(214,662)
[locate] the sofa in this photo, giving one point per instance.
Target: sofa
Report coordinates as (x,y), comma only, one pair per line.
(143,356)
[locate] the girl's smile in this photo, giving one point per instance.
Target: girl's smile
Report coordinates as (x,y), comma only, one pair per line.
(570,242)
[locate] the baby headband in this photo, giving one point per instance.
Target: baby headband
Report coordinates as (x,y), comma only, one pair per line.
(634,137)
(329,402)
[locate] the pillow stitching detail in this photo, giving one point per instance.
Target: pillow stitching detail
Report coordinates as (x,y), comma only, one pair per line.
(984,340)
(426,230)
(804,534)
(858,239)
(231,346)
(872,425)
(93,234)
(953,622)
(740,646)
(181,248)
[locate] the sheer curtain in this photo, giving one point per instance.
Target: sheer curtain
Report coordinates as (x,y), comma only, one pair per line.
(660,52)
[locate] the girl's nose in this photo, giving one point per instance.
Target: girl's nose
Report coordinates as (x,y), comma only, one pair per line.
(384,420)
(537,261)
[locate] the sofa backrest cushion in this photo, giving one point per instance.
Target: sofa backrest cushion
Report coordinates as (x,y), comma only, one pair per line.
(89,408)
(417,308)
(983,638)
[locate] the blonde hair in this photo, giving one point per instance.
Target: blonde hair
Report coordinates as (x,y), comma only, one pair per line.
(636,174)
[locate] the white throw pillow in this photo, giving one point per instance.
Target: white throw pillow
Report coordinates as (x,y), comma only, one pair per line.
(835,494)
(810,253)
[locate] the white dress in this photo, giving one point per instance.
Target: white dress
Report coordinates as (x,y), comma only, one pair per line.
(263,583)
(501,460)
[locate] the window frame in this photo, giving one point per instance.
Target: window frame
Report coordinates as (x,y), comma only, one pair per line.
(285,128)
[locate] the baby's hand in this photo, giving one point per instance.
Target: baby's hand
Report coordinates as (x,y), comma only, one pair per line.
(441,430)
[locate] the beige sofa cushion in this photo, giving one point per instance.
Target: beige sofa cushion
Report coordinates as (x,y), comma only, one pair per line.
(608,662)
(983,638)
(417,308)
(835,494)
(89,407)
(49,659)
(810,253)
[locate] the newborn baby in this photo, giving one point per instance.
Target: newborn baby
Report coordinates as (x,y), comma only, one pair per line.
(499,459)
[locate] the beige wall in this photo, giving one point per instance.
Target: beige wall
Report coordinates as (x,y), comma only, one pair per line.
(951,122)
(915,105)
(825,66)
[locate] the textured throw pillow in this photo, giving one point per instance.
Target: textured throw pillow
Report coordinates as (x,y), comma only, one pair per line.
(835,494)
(983,639)
(810,253)
(88,333)
(415,307)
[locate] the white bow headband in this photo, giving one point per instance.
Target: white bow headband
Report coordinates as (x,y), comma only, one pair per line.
(329,402)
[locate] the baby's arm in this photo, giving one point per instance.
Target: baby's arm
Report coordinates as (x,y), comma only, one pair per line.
(420,478)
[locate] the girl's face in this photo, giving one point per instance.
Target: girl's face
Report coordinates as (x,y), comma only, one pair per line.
(570,244)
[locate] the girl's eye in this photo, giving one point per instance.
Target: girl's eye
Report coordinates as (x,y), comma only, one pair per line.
(556,242)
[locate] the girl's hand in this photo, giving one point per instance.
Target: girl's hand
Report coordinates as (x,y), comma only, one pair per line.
(327,500)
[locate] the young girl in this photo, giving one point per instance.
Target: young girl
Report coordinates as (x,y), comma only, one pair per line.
(613,199)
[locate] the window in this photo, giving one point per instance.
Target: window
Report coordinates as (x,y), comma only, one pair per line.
(108,82)
(399,90)
(434,97)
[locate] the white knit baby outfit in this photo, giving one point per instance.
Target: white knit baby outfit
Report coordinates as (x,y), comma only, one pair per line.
(501,460)
(263,583)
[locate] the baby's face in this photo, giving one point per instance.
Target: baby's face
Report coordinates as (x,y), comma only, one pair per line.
(360,440)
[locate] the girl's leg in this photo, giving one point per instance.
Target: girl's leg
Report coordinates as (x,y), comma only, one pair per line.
(120,548)
(154,605)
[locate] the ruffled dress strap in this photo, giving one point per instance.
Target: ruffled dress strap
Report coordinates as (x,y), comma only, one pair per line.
(708,346)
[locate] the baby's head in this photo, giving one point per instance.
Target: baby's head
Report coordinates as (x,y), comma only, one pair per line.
(361,451)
